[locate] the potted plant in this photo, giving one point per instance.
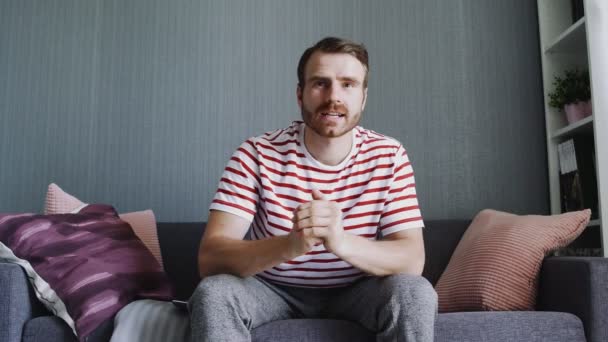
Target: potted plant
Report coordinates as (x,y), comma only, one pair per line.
(572,93)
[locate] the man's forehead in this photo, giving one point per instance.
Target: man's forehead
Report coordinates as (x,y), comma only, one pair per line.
(334,64)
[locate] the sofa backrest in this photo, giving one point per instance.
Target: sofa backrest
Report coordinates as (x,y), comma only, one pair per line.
(179,243)
(440,239)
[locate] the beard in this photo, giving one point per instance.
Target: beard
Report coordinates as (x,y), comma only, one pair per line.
(327,128)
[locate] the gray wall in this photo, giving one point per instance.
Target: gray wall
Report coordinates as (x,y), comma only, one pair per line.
(140,103)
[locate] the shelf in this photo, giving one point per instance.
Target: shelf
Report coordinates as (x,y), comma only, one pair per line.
(582,125)
(594,223)
(572,40)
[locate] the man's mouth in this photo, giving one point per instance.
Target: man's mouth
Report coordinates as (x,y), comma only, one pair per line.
(332,114)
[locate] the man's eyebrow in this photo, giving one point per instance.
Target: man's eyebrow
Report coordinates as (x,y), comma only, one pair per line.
(349,79)
(325,78)
(318,78)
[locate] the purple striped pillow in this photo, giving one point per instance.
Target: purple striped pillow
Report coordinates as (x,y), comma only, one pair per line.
(84,267)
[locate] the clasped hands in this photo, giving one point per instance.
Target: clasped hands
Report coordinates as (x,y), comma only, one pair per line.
(317,222)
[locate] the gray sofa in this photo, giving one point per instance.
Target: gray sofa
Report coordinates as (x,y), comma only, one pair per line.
(572,304)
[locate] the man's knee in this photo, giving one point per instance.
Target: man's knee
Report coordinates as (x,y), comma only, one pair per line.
(216,288)
(410,290)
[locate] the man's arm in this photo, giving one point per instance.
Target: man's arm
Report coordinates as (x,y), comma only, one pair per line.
(223,249)
(399,252)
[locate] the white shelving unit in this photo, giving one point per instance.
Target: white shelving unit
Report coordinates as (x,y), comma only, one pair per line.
(566,45)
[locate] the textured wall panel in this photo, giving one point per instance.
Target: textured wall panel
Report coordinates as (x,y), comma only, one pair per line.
(140,103)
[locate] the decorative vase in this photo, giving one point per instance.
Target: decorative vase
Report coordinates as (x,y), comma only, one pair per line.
(577,111)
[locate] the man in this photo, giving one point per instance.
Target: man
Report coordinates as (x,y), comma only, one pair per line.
(335,225)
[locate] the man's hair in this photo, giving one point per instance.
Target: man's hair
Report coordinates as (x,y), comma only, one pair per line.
(334,45)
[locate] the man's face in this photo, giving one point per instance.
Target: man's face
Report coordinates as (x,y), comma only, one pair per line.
(333,96)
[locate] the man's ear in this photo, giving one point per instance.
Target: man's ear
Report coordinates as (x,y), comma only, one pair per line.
(299,95)
(364,99)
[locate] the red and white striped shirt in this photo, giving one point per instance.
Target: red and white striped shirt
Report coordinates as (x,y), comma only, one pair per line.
(270,175)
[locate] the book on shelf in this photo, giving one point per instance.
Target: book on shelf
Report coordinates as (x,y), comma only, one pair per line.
(578,181)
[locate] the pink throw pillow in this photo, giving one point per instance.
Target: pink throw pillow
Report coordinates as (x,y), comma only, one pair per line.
(143,222)
(496,264)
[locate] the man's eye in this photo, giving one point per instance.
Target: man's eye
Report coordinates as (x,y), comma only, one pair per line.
(349,85)
(320,83)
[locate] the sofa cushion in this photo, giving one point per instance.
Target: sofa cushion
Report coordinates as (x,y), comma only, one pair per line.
(509,326)
(142,222)
(151,321)
(156,321)
(303,330)
(18,302)
(52,328)
(461,326)
(497,262)
(465,326)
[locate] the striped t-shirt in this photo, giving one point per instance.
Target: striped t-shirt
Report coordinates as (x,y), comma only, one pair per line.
(270,175)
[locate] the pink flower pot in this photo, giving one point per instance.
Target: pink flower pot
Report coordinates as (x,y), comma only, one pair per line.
(577,111)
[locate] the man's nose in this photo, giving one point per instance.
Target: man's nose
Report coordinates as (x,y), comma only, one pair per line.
(335,94)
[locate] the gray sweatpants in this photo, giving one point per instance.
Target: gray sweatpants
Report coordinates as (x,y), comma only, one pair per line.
(398,308)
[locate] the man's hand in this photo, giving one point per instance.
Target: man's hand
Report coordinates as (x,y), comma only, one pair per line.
(321,219)
(302,241)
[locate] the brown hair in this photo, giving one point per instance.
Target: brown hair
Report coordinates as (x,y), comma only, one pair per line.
(334,45)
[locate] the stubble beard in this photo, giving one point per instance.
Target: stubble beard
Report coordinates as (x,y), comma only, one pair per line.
(312,121)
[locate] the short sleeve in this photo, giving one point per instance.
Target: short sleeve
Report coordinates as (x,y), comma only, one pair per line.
(238,189)
(401,210)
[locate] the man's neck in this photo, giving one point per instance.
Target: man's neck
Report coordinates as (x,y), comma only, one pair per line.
(329,151)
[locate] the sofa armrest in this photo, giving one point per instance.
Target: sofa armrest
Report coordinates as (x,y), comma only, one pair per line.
(18,303)
(578,285)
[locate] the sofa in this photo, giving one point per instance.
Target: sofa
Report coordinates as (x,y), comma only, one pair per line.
(572,302)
